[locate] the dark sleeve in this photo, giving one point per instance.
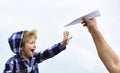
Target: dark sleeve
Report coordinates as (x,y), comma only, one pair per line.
(9,66)
(50,52)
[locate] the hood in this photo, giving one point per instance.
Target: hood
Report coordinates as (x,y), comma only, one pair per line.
(15,41)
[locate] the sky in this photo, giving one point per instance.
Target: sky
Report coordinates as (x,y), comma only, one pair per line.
(49,17)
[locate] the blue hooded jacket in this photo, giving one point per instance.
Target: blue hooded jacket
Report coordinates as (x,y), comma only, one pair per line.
(17,64)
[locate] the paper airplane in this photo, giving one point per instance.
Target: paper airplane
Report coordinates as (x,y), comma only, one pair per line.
(89,16)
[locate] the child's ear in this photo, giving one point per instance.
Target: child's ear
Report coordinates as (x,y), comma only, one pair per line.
(21,49)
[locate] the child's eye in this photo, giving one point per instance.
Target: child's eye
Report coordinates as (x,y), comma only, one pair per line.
(31,42)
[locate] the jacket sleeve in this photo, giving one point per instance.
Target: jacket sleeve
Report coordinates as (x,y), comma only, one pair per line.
(50,52)
(9,66)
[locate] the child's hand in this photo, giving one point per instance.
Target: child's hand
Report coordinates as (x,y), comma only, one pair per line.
(66,38)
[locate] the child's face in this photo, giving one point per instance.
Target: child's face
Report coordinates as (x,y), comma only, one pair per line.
(29,48)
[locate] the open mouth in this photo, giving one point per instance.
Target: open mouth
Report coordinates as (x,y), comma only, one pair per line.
(33,50)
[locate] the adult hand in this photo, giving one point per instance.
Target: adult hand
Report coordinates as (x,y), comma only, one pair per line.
(91,24)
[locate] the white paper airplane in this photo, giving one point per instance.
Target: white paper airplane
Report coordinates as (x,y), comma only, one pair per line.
(89,16)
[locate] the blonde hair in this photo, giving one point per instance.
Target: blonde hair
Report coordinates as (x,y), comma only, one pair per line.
(32,33)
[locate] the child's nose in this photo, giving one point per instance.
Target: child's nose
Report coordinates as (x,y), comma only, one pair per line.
(34,46)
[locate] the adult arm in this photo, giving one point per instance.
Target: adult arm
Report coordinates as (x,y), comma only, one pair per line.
(105,52)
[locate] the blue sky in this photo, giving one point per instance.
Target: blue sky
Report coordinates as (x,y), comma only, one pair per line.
(49,18)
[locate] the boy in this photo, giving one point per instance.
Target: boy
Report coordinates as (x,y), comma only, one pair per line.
(22,43)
